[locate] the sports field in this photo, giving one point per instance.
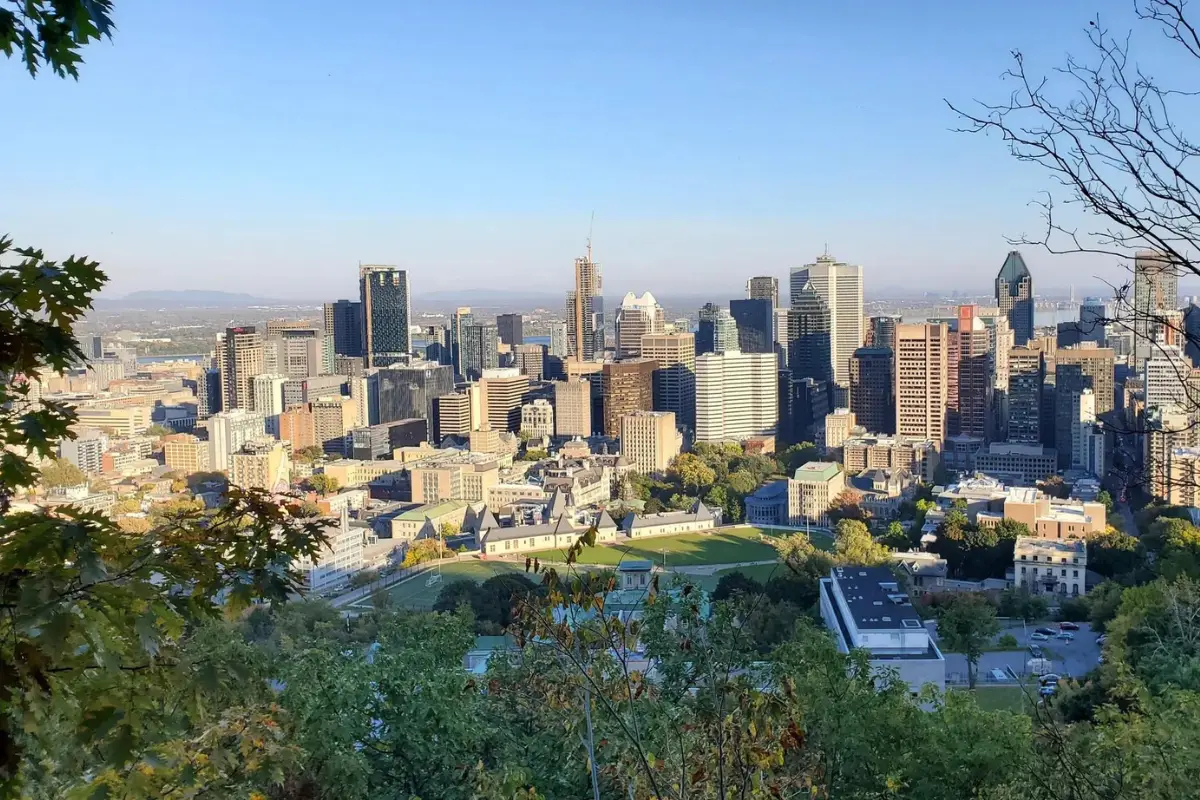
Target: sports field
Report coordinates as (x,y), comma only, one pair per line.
(419,593)
(727,546)
(759,572)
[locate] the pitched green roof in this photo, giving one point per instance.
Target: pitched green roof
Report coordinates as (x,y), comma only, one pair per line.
(419,513)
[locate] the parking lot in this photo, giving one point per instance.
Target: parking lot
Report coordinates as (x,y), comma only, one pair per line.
(1072,658)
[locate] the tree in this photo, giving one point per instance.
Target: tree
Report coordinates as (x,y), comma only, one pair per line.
(1114,554)
(742,482)
(967,626)
(692,473)
(1017,603)
(60,472)
(847,505)
(1074,609)
(158,431)
(53,33)
(1106,500)
(853,545)
(797,456)
(896,537)
(449,529)
(364,577)
(310,454)
(733,583)
(1055,486)
(534,454)
(321,483)
(654,506)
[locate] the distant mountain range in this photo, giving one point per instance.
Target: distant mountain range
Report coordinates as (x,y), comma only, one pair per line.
(187,298)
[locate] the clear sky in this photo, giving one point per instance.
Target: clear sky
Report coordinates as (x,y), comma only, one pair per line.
(268,146)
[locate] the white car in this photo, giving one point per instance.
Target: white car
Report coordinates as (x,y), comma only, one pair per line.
(1038,637)
(1066,636)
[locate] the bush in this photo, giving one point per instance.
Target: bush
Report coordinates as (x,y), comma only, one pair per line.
(1007,642)
(1074,609)
(735,583)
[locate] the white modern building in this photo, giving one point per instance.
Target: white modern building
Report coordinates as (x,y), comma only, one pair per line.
(864,607)
(1165,377)
(268,399)
(85,451)
(737,396)
(840,285)
(228,431)
(637,317)
(342,557)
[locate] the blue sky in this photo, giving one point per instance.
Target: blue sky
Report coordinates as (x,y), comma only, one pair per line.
(269,146)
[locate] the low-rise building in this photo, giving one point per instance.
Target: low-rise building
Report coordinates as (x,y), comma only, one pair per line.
(123,422)
(408,524)
(864,607)
(768,505)
(839,425)
(353,472)
(505,494)
(1048,566)
(558,534)
(342,556)
(883,490)
(988,501)
(891,452)
(927,572)
(670,523)
(80,497)
(184,453)
(1017,464)
(811,491)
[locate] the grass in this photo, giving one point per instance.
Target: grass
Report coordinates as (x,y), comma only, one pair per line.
(1000,698)
(413,593)
(728,546)
(760,572)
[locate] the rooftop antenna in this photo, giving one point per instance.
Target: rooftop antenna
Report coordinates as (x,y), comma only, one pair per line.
(591,224)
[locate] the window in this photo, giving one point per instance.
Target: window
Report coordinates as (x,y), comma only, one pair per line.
(1064,573)
(1076,573)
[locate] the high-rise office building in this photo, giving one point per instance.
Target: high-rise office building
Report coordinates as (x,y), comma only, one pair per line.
(1000,341)
(675,378)
(459,413)
(871,388)
(530,359)
(1026,379)
(296,426)
(628,387)
(573,408)
(504,390)
(333,418)
(268,399)
(299,352)
(585,311)
(737,396)
(1165,378)
(1155,290)
(480,350)
(1096,367)
(460,343)
(558,339)
(511,329)
(408,391)
(96,347)
(1014,295)
(840,285)
(755,320)
(650,441)
(228,431)
(208,393)
(921,380)
(763,288)
(809,336)
(716,331)
(1093,321)
(881,331)
(386,312)
(971,387)
(240,358)
(344,321)
(636,317)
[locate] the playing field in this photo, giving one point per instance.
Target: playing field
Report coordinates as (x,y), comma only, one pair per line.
(759,572)
(729,546)
(417,593)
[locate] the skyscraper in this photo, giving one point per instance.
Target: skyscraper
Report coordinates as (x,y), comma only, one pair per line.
(268,400)
(809,336)
(841,287)
(737,396)
(649,440)
(1155,289)
(386,310)
(530,359)
(1014,296)
(585,311)
(920,379)
(343,320)
(755,324)
(408,392)
(1026,376)
(675,378)
(871,388)
(1093,317)
(717,330)
(628,386)
(558,339)
(511,329)
(460,341)
(300,352)
(573,408)
(882,331)
(1096,365)
(504,390)
(763,288)
(972,377)
(1000,341)
(240,358)
(636,317)
(480,349)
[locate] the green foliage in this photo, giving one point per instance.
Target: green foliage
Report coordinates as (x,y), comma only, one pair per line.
(847,506)
(60,472)
(967,626)
(1116,555)
(1105,601)
(493,603)
(1018,603)
(733,583)
(692,472)
(534,454)
(310,454)
(1007,642)
(797,456)
(1074,609)
(158,431)
(896,537)
(364,577)
(654,506)
(52,32)
(853,545)
(1106,500)
(321,484)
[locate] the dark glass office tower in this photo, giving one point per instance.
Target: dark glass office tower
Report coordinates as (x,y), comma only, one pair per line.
(386,311)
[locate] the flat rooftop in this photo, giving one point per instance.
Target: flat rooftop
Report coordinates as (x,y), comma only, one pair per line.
(875,599)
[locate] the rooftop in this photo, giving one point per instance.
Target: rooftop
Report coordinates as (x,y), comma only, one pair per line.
(816,471)
(875,598)
(1035,545)
(419,513)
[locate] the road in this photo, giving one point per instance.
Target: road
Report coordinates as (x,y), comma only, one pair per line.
(1068,658)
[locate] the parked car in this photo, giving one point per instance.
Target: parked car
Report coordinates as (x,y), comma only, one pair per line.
(1047,631)
(1039,637)
(1048,679)
(999,675)
(1101,639)
(1068,626)
(1047,691)
(1035,651)
(1066,636)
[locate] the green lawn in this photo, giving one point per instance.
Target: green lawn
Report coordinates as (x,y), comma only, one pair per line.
(686,550)
(1001,698)
(414,593)
(760,572)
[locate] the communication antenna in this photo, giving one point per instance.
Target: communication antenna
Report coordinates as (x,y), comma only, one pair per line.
(591,224)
